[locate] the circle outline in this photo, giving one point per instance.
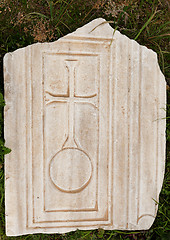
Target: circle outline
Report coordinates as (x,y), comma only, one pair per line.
(76,190)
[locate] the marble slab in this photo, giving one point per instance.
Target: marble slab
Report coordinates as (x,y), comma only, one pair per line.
(85,119)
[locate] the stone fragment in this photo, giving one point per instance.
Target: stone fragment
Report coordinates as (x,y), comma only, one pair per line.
(85,119)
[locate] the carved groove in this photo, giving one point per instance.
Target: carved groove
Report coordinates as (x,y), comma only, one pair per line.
(80,100)
(139,130)
(70,145)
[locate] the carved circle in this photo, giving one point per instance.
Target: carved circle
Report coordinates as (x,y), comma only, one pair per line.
(71,170)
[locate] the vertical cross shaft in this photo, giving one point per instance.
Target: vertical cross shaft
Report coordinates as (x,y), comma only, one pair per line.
(70,100)
(71,64)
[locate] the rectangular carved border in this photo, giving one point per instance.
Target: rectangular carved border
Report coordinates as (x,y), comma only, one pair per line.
(30,213)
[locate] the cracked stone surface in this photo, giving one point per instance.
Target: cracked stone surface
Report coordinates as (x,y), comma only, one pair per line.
(85,119)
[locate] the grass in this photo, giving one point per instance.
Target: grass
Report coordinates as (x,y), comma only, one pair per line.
(23,22)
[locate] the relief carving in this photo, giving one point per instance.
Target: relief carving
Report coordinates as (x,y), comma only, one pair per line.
(71,167)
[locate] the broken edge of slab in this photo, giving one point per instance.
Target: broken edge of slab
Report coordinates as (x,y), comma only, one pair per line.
(15,113)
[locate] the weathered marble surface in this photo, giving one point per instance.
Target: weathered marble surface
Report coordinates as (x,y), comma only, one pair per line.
(85,119)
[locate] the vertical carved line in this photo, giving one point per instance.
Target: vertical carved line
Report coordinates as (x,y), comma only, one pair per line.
(129,122)
(114,122)
(137,126)
(17,125)
(98,119)
(155,129)
(158,91)
(139,129)
(29,133)
(99,132)
(43,136)
(127,135)
(126,124)
(26,133)
(110,187)
(32,139)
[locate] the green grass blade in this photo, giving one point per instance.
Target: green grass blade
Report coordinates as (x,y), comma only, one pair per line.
(162,57)
(100,25)
(65,25)
(82,237)
(51,9)
(164,25)
(145,25)
(38,14)
(34,14)
(161,36)
(62,12)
